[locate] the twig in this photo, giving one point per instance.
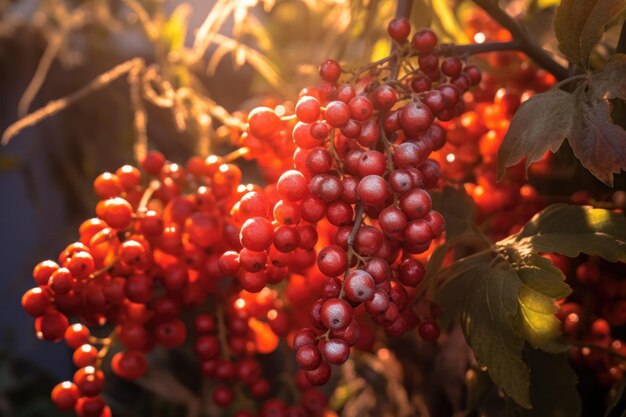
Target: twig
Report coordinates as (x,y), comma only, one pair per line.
(479,48)
(403,9)
(621,43)
(528,43)
(56,106)
(605,349)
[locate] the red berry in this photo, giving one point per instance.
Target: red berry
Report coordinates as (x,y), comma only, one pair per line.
(399,29)
(263,122)
(330,70)
(257,234)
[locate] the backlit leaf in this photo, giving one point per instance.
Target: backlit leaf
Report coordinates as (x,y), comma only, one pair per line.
(570,230)
(540,124)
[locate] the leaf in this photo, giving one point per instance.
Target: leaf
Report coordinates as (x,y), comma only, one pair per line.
(457,208)
(616,397)
(599,144)
(506,298)
(579,25)
(569,230)
(488,306)
(566,33)
(552,385)
(542,285)
(610,82)
(540,124)
(593,29)
(583,118)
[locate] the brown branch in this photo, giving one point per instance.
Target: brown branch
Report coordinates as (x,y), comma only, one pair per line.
(479,48)
(621,43)
(403,9)
(528,44)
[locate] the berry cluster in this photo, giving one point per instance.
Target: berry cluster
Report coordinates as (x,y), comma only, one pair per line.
(473,139)
(361,173)
(342,227)
(594,315)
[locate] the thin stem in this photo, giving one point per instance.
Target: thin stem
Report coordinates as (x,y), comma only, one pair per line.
(236,154)
(221,328)
(528,43)
(358,219)
(605,349)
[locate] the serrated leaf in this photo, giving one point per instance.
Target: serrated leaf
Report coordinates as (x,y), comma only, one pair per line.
(610,82)
(486,322)
(543,283)
(579,25)
(540,124)
(552,385)
(571,230)
(598,143)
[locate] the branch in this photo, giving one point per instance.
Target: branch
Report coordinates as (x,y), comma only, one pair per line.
(479,48)
(528,43)
(621,43)
(403,9)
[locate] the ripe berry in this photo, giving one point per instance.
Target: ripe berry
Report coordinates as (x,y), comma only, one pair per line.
(337,113)
(424,40)
(336,314)
(360,108)
(308,109)
(332,260)
(263,122)
(384,97)
(292,185)
(36,301)
(51,326)
(319,376)
(359,286)
(85,355)
(330,70)
(308,357)
(65,395)
(130,365)
(415,117)
(257,234)
(372,190)
(223,396)
(428,330)
(451,66)
(399,29)
(336,351)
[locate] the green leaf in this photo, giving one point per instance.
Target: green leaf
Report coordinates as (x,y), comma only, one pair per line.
(488,305)
(579,26)
(552,385)
(505,298)
(540,124)
(569,230)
